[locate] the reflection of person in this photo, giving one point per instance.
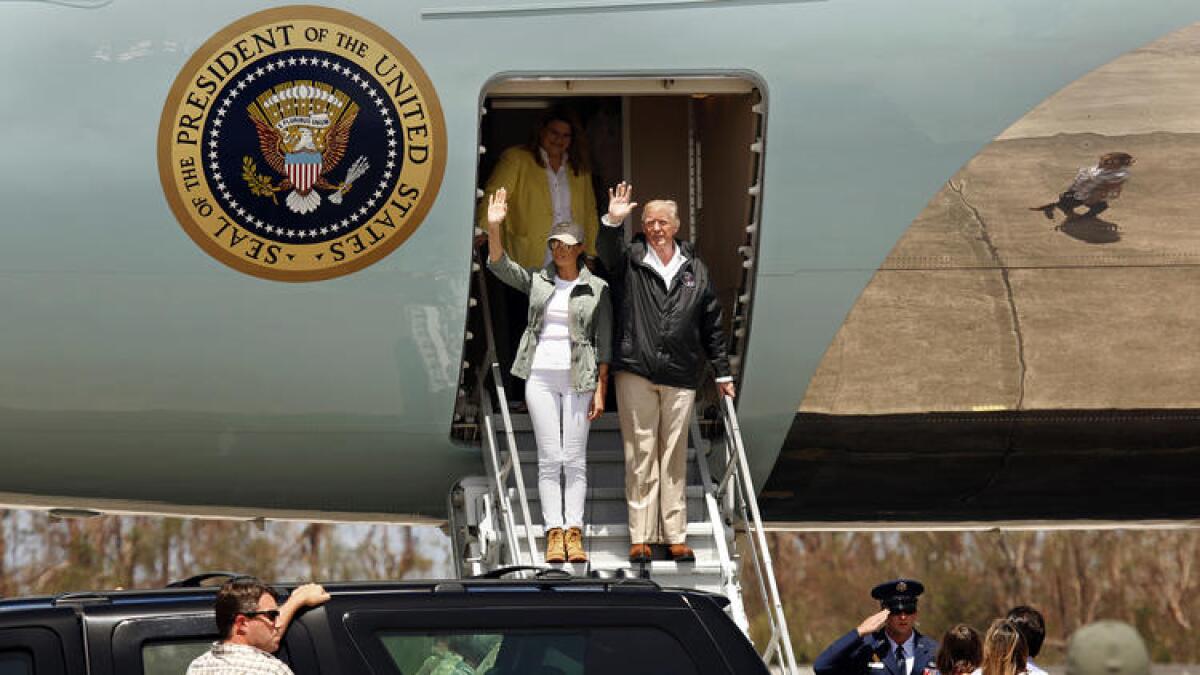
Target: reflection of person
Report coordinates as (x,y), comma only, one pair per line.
(462,654)
(563,356)
(251,624)
(669,320)
(961,651)
(1004,650)
(1107,648)
(885,641)
(548,181)
(1033,628)
(1093,187)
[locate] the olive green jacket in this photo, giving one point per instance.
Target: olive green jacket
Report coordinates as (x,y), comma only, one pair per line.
(589,319)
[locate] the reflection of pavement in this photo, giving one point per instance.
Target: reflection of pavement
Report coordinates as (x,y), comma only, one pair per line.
(985,305)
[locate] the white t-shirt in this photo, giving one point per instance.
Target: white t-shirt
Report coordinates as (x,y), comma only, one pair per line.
(554,344)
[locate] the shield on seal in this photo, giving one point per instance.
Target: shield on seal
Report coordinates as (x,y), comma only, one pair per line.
(303,168)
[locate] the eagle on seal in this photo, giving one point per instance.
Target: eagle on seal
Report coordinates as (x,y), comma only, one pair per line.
(305,154)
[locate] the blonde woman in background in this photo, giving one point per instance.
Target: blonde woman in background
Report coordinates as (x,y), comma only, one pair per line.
(1004,650)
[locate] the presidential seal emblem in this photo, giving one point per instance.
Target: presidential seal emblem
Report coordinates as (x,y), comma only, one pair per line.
(301,143)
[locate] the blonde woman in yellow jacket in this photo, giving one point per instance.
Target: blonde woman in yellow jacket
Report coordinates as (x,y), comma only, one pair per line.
(548,180)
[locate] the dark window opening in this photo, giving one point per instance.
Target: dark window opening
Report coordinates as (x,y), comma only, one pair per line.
(696,140)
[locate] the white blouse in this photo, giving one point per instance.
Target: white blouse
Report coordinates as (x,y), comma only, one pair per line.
(554,344)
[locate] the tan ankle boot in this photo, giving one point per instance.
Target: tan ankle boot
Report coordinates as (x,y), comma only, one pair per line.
(556,550)
(575,552)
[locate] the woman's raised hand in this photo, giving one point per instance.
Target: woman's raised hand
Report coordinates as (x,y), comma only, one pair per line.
(619,205)
(497,208)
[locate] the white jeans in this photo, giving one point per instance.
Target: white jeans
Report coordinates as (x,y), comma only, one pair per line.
(560,426)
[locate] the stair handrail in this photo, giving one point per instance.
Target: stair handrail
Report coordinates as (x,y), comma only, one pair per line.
(508,526)
(514,458)
(779,645)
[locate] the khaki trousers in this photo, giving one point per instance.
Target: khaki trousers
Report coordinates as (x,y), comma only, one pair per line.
(654,429)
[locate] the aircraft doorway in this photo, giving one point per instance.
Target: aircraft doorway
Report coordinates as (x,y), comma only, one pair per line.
(696,140)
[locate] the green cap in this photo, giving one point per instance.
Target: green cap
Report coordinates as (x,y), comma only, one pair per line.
(1107,648)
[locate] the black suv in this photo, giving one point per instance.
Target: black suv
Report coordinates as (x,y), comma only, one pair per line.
(485,626)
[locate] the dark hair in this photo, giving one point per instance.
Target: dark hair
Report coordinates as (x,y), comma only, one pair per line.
(1122,158)
(238,596)
(961,650)
(1032,626)
(577,151)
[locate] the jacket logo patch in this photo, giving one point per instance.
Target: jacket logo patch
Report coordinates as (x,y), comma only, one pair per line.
(689,279)
(301,143)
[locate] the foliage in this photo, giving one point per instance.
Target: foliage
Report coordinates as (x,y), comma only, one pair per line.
(40,554)
(259,184)
(1145,577)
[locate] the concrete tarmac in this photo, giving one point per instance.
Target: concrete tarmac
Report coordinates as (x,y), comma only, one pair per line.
(985,305)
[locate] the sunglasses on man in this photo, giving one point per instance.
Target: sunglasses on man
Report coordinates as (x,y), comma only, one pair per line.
(272,614)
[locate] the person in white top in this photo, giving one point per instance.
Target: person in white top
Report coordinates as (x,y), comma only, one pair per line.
(563,356)
(1033,628)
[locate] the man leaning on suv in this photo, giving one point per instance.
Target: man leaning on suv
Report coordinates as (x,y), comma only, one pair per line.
(251,623)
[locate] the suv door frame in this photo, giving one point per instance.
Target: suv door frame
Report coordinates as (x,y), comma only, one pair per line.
(52,635)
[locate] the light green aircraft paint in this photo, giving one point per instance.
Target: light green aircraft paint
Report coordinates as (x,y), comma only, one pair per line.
(138,372)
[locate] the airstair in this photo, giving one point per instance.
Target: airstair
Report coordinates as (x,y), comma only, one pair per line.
(495,520)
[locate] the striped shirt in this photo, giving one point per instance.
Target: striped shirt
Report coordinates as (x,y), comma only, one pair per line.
(227,658)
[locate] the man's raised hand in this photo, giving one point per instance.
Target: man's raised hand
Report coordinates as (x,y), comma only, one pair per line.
(873,623)
(619,205)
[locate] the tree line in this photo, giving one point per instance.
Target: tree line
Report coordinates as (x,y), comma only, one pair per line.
(1144,577)
(40,554)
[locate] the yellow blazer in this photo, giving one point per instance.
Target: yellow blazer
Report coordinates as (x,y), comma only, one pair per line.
(530,210)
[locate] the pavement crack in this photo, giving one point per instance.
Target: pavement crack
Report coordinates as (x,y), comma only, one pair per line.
(985,236)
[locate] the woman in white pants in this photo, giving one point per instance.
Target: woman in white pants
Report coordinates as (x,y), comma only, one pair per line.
(563,356)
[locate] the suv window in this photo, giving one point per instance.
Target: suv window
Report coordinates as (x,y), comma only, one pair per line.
(581,651)
(16,662)
(168,658)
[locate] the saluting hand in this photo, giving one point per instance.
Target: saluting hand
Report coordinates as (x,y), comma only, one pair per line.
(619,205)
(873,623)
(497,208)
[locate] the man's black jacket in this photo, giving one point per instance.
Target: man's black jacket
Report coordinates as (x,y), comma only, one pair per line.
(662,334)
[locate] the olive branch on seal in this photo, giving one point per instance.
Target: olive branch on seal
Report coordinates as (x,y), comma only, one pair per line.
(259,184)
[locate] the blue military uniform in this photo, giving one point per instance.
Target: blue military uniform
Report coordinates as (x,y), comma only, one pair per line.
(872,654)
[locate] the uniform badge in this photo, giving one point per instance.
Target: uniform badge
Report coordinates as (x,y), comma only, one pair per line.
(301,143)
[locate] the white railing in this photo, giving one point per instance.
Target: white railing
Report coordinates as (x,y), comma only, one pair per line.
(503,466)
(736,489)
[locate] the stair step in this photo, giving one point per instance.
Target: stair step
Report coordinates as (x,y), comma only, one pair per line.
(607,442)
(619,531)
(614,456)
(657,567)
(521,422)
(613,493)
(599,474)
(608,511)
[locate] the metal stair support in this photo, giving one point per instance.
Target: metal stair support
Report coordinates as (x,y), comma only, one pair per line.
(737,485)
(606,530)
